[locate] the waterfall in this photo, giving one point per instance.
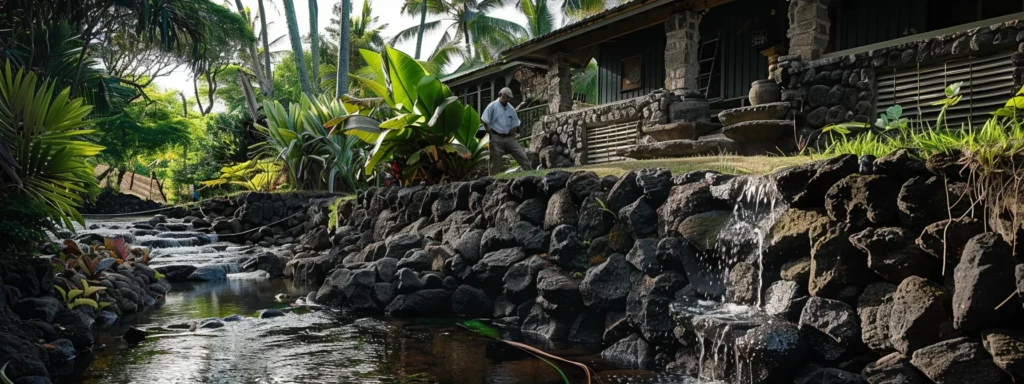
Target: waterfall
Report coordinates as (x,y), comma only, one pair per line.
(758,205)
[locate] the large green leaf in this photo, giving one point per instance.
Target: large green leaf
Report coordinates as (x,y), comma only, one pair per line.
(468,127)
(431,94)
(447,117)
(403,75)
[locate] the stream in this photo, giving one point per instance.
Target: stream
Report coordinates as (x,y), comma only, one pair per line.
(303,346)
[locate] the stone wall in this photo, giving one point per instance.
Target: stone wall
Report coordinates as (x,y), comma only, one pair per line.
(843,270)
(278,218)
(560,139)
(843,88)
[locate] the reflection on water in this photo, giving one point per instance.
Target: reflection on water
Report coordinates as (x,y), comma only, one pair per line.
(314,347)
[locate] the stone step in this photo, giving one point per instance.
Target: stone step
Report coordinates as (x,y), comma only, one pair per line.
(683,130)
(769,111)
(680,148)
(758,130)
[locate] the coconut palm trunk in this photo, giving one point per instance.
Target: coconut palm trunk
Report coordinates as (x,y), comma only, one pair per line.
(423,22)
(343,49)
(314,43)
(266,43)
(296,39)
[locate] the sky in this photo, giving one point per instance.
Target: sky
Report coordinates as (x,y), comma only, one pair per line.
(388,12)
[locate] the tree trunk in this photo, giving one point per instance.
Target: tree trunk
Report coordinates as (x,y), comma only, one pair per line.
(314,43)
(104,174)
(465,36)
(250,95)
(184,104)
(266,82)
(343,49)
(296,39)
(131,182)
(423,23)
(266,48)
(160,188)
(120,177)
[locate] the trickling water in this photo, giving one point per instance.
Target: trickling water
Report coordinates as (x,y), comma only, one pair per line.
(744,236)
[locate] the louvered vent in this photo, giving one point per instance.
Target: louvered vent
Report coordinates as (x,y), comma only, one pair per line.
(603,142)
(987,84)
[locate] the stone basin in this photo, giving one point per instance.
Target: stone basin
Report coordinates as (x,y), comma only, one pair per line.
(769,111)
(682,130)
(758,130)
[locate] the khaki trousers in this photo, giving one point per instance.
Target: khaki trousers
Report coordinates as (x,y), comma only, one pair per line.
(502,145)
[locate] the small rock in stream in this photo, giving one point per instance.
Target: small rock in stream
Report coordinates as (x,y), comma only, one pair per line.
(270,313)
(134,335)
(235,317)
(211,324)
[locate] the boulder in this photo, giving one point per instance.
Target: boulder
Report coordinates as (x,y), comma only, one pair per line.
(770,351)
(496,239)
(426,302)
(640,219)
(386,269)
(631,352)
(684,201)
(702,229)
(554,181)
(587,329)
(960,360)
(1007,350)
(608,284)
(561,210)
(805,186)
(894,368)
(176,273)
(210,272)
(790,237)
(566,248)
(785,300)
(900,165)
(525,187)
(533,240)
(468,245)
(267,262)
(471,301)
(38,308)
(560,291)
(503,307)
(924,200)
(595,221)
(644,256)
(399,245)
(863,200)
(408,281)
(539,325)
(874,307)
(647,306)
(836,264)
(830,328)
(920,315)
(673,251)
(625,192)
(983,277)
(798,271)
(656,184)
(417,260)
(758,130)
(893,254)
(520,282)
(532,211)
(581,184)
(616,326)
(743,286)
(946,239)
(384,294)
(354,289)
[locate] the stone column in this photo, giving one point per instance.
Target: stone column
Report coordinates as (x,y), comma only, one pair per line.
(808,28)
(559,84)
(682,41)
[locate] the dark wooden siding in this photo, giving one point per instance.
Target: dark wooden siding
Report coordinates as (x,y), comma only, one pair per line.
(865,22)
(734,24)
(650,45)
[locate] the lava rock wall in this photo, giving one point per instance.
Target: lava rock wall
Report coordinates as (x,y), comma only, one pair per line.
(852,278)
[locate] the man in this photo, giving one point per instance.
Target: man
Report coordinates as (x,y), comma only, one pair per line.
(502,123)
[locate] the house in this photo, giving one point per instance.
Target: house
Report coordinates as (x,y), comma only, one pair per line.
(676,76)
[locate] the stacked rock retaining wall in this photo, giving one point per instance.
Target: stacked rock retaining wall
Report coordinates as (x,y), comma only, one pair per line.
(849,278)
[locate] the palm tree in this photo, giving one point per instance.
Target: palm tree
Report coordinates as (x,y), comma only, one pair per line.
(364,33)
(423,22)
(575,10)
(483,36)
(266,44)
(341,80)
(314,43)
(539,19)
(300,58)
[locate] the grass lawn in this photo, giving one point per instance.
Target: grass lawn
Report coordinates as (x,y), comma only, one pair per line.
(741,165)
